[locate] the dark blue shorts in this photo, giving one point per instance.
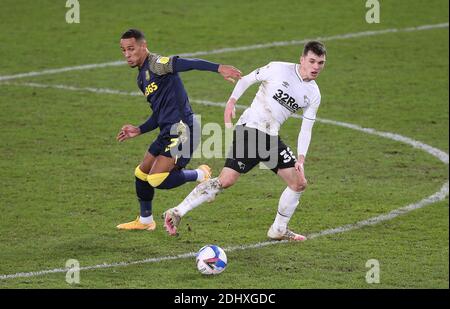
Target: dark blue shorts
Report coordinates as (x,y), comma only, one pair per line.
(178,143)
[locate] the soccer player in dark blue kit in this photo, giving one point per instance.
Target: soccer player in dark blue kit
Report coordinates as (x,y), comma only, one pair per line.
(163,166)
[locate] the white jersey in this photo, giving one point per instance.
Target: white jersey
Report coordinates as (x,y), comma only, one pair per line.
(282,92)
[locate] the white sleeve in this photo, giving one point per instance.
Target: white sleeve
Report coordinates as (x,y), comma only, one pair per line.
(309,117)
(304,137)
(254,77)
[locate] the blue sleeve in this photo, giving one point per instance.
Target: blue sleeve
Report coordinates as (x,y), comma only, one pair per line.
(184,64)
(149,125)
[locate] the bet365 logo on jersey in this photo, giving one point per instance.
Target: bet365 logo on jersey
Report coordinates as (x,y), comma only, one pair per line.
(286,100)
(151,88)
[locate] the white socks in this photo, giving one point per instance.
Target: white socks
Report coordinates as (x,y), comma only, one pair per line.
(205,191)
(200,174)
(146,220)
(289,200)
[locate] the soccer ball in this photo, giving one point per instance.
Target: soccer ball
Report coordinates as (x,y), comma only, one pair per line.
(211,260)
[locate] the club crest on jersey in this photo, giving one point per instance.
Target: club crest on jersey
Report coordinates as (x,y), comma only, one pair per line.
(163,60)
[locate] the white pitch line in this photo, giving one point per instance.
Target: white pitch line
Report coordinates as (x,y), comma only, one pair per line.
(73,88)
(231,49)
(436,197)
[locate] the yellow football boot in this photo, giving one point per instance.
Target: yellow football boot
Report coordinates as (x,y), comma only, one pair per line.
(137,225)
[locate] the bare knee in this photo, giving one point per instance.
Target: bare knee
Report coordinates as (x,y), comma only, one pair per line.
(299,185)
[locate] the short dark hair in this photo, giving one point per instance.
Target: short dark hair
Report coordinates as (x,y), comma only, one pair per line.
(133,33)
(316,47)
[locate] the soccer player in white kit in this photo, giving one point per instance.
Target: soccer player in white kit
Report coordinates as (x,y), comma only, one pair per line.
(285,88)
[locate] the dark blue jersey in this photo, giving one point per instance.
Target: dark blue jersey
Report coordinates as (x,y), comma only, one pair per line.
(159,81)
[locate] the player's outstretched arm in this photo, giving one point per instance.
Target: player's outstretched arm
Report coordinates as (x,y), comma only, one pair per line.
(130,131)
(228,72)
(238,91)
